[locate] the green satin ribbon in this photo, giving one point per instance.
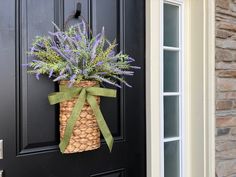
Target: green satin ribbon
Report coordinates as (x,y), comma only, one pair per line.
(85,94)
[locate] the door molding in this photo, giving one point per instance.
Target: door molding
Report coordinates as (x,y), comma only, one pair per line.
(199,88)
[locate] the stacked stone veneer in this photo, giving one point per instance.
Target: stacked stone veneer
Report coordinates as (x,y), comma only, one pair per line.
(226,88)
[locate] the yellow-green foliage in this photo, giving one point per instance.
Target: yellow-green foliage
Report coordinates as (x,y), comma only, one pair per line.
(72,55)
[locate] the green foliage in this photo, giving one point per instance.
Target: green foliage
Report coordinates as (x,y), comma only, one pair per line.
(73,56)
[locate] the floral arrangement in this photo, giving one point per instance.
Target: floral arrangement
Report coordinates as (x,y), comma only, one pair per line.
(72,55)
(78,59)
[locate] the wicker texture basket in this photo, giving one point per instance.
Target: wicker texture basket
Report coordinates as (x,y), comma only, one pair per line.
(86,133)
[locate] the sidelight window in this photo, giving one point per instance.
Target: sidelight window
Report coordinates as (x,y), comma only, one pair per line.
(171,89)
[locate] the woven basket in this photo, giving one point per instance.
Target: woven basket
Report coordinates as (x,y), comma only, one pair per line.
(86,134)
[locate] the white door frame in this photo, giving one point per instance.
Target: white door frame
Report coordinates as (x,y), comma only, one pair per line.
(199,88)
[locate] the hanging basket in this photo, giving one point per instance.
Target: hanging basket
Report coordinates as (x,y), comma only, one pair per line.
(86,133)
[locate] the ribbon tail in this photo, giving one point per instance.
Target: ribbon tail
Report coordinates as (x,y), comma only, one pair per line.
(101,122)
(72,120)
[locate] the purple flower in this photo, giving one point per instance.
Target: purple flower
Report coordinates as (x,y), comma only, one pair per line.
(128,84)
(85,72)
(54,33)
(25,65)
(33,49)
(111,54)
(99,63)
(59,52)
(62,72)
(37,66)
(40,44)
(65,37)
(36,61)
(121,72)
(68,69)
(37,76)
(80,71)
(77,57)
(72,80)
(73,77)
(60,77)
(78,37)
(135,67)
(50,74)
(128,73)
(54,44)
(106,80)
(84,27)
(130,59)
(59,35)
(102,73)
(67,48)
(95,45)
(65,57)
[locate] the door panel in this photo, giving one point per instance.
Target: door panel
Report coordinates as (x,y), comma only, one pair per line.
(113,26)
(29,126)
(37,128)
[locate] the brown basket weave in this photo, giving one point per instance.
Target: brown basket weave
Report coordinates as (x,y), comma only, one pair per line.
(86,134)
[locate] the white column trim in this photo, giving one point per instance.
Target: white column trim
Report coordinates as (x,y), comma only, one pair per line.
(210,88)
(205,163)
(153,87)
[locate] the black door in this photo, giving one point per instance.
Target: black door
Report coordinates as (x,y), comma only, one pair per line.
(29,125)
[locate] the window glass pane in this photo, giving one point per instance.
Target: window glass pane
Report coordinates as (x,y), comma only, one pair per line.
(171,159)
(171,116)
(171,71)
(171,25)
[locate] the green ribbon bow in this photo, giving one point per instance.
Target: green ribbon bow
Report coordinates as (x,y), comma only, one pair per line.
(85,94)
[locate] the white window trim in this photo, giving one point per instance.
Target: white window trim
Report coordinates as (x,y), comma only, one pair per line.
(180,93)
(199,160)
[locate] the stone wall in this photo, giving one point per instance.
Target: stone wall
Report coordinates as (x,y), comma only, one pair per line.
(226,88)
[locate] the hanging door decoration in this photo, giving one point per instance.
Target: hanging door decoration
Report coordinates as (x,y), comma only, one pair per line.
(81,63)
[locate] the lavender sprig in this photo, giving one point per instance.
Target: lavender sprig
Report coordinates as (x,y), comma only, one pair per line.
(71,55)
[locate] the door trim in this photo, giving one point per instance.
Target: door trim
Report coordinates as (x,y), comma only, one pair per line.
(153,86)
(201,163)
